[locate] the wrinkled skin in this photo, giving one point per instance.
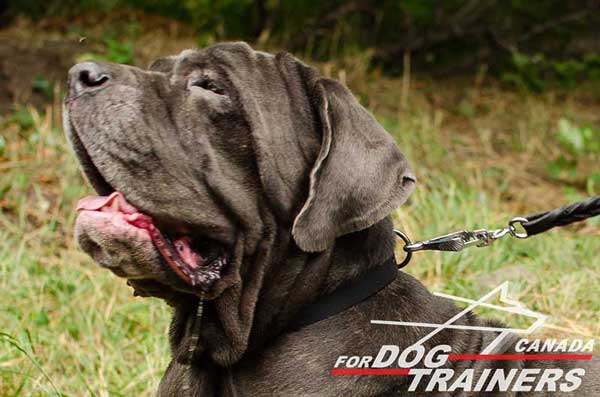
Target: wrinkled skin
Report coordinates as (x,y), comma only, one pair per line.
(285,171)
(161,124)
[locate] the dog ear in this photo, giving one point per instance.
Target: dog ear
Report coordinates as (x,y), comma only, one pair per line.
(359,176)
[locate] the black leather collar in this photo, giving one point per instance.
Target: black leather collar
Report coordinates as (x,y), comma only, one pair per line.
(346,296)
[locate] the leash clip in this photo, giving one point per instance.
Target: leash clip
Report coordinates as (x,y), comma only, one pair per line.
(460,240)
(531,225)
(456,241)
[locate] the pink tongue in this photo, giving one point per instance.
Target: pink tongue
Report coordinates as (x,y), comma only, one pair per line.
(101,203)
(116,202)
(191,258)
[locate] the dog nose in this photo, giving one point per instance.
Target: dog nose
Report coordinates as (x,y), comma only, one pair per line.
(87,76)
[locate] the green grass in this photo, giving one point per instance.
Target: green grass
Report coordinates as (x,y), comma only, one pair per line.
(59,311)
(70,328)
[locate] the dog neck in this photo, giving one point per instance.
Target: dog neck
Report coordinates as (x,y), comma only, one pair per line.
(248,316)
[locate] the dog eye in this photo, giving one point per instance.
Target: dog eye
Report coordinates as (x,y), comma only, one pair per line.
(208,85)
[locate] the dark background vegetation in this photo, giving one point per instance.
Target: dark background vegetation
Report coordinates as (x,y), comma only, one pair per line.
(522,42)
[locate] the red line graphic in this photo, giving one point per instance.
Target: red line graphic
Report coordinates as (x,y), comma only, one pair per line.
(455,357)
(369,371)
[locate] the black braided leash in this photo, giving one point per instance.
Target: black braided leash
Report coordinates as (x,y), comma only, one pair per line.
(532,225)
(543,221)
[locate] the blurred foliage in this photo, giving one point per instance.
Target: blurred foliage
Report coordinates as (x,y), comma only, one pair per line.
(536,72)
(116,51)
(578,140)
(579,144)
(43,86)
(525,43)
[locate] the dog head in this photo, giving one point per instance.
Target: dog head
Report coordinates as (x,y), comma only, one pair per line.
(208,160)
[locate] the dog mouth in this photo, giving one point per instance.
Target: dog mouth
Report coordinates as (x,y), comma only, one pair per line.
(195,259)
(195,263)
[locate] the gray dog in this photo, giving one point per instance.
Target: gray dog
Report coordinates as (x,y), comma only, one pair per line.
(241,188)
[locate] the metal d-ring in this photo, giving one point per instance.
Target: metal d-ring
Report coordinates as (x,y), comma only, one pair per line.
(513,230)
(407,242)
